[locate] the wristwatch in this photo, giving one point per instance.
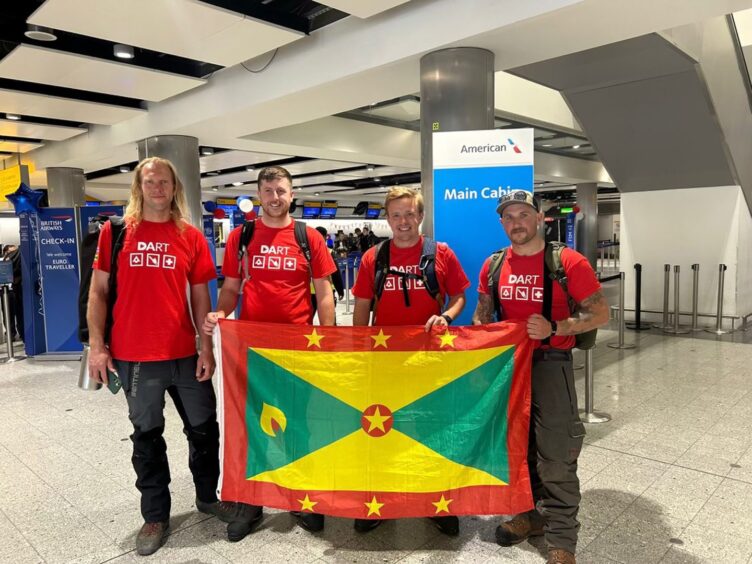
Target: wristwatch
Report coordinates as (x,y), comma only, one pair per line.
(448,318)
(554,326)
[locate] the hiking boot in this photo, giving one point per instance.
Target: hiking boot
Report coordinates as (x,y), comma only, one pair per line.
(560,556)
(227,511)
(248,518)
(447,524)
(365,525)
(311,522)
(151,537)
(521,527)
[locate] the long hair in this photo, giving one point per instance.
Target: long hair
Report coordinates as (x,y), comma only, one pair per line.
(178,208)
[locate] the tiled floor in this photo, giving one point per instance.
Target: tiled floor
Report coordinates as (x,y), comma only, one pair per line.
(669,479)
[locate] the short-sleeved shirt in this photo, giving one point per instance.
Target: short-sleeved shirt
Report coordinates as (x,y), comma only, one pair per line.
(279,288)
(521,288)
(151,319)
(391,308)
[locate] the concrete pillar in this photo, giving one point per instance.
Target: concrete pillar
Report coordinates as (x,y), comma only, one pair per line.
(66,187)
(587,234)
(456,94)
(182,151)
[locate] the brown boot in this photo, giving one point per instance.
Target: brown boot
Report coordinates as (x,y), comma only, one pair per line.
(151,537)
(524,525)
(560,556)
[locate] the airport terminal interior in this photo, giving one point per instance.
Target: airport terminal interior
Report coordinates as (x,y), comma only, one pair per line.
(634,118)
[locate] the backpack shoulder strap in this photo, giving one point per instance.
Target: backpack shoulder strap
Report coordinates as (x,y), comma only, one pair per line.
(246,235)
(427,267)
(381,269)
(554,264)
(118,229)
(494,277)
(301,237)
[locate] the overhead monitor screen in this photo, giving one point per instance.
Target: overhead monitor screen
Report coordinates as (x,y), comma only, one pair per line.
(311,210)
(328,210)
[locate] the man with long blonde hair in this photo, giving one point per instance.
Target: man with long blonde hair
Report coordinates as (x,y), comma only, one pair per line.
(151,346)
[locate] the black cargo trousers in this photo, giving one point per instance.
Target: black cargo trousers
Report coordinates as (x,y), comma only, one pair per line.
(556,436)
(145,384)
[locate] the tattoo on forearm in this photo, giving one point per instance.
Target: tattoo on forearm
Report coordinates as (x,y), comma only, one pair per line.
(588,316)
(484,311)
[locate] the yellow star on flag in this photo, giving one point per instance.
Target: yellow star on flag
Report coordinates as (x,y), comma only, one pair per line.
(314,339)
(447,339)
(442,504)
(307,505)
(377,421)
(374,507)
(380,339)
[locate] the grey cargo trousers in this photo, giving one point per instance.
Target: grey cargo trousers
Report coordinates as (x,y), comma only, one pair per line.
(556,436)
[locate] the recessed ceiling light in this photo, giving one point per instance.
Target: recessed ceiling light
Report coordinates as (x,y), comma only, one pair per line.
(39,33)
(370,168)
(316,194)
(125,169)
(14,117)
(206,151)
(123,51)
(212,173)
(575,146)
(238,183)
(250,168)
(215,189)
(377,179)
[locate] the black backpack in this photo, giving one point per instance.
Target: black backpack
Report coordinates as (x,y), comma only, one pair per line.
(553,270)
(427,266)
(246,236)
(88,250)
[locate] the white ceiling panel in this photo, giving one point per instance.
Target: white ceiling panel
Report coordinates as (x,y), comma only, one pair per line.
(407,110)
(221,179)
(186,28)
(13,128)
(58,68)
(42,105)
(379,171)
(319,179)
(232,159)
(16,147)
(318,165)
(363,8)
(121,178)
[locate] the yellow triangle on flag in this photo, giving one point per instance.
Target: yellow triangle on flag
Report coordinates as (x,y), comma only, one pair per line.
(391,378)
(391,463)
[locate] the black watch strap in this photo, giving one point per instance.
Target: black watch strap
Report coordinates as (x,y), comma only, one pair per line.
(448,318)
(554,327)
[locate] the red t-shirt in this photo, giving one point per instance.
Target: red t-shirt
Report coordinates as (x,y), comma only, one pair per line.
(391,309)
(151,319)
(521,288)
(279,289)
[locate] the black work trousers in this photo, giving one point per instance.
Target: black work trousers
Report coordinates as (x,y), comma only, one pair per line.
(145,384)
(556,436)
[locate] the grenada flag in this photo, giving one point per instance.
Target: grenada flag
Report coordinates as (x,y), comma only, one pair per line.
(375,422)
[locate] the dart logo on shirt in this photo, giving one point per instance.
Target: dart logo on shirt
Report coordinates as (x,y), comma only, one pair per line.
(152,255)
(522,288)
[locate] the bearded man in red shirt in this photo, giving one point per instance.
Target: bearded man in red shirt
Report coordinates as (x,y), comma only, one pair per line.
(556,432)
(152,347)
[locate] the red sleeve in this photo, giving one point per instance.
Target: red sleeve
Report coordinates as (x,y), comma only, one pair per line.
(230,266)
(202,270)
(483,278)
(366,273)
(455,280)
(581,279)
(102,258)
(322,263)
